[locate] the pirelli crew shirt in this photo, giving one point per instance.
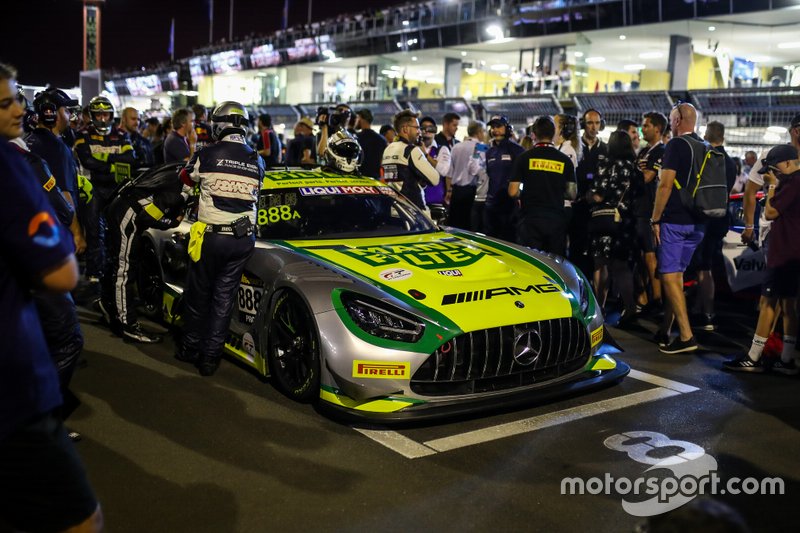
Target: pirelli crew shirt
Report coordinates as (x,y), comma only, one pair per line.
(543,173)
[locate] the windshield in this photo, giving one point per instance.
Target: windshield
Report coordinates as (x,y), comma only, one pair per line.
(337,212)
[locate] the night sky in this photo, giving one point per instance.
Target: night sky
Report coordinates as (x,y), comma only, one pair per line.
(43,38)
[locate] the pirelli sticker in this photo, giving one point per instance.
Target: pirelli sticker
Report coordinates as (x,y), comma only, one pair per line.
(50,184)
(546,165)
(381,370)
(597,336)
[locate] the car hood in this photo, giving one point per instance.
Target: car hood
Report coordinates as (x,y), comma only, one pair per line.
(475,283)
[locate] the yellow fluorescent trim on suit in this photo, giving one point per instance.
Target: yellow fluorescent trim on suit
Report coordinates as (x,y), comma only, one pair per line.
(154,211)
(126,148)
(546,165)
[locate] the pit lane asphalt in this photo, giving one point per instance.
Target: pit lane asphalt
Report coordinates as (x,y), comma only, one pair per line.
(168,450)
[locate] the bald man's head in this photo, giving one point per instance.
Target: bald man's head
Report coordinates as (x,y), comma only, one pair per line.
(683,119)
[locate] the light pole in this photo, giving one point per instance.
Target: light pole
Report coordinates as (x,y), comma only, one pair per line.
(230,24)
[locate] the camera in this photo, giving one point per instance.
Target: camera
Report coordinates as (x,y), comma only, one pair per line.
(333,117)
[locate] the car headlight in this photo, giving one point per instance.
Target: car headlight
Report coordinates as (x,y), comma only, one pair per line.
(381,319)
(585,294)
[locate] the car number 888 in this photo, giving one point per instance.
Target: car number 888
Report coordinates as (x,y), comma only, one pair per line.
(249,299)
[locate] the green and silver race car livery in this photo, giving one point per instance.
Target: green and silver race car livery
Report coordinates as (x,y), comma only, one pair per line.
(355,299)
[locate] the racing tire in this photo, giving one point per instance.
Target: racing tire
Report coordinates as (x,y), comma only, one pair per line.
(293,348)
(151,284)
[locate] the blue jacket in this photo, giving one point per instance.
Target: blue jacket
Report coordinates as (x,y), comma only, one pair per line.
(499,162)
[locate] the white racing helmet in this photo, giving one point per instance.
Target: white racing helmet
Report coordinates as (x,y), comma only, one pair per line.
(343,152)
(229,117)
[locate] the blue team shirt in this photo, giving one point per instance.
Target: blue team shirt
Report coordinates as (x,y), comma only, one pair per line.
(58,156)
(31,242)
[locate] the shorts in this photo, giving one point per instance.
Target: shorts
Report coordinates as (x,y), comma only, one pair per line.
(782,281)
(678,243)
(43,485)
(644,236)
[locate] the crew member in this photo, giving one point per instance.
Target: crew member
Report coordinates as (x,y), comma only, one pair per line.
(542,178)
(499,162)
(229,175)
(52,108)
(106,152)
(201,127)
(129,123)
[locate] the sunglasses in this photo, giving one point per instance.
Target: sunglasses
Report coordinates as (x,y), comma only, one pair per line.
(677,107)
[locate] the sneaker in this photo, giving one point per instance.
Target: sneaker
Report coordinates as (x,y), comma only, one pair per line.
(744,364)
(74,436)
(679,346)
(787,369)
(135,333)
(661,338)
(626,318)
(705,322)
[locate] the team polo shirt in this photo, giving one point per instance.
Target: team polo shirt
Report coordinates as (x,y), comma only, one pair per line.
(543,171)
(58,156)
(31,242)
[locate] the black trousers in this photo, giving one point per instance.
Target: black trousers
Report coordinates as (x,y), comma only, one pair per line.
(62,332)
(499,221)
(93,222)
(122,265)
(578,220)
(210,293)
(548,234)
(461,200)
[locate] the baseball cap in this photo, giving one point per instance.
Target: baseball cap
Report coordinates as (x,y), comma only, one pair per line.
(306,122)
(778,154)
(498,120)
(366,114)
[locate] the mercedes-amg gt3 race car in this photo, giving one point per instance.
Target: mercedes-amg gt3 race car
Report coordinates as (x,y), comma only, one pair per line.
(354,298)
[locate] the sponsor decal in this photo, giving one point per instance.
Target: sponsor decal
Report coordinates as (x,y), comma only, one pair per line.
(395,274)
(275,214)
(454,272)
(374,369)
(750,263)
(597,336)
(488,294)
(233,186)
(42,229)
(434,255)
(546,165)
(238,165)
(350,189)
(50,184)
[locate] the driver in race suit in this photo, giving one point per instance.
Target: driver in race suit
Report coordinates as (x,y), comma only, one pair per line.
(229,175)
(405,166)
(152,201)
(106,152)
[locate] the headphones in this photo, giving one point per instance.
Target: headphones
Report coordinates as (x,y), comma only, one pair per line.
(46,108)
(593,110)
(503,121)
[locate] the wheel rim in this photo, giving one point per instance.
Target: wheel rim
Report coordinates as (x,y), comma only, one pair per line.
(293,344)
(150,284)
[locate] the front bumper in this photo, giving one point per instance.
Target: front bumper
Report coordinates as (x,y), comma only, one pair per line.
(345,410)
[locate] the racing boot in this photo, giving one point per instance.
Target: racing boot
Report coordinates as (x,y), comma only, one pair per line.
(208,365)
(136,333)
(186,356)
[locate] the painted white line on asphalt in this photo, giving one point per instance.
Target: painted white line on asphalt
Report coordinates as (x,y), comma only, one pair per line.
(548,420)
(662,382)
(396,442)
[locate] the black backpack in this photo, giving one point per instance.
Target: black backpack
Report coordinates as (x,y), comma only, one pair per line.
(706,192)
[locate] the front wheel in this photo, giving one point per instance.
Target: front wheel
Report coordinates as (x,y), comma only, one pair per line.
(293,348)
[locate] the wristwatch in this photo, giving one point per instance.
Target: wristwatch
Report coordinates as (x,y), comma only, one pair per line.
(655,222)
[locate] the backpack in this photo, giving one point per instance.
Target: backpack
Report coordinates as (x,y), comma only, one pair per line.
(706,192)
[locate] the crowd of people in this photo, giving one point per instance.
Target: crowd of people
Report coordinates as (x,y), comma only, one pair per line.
(632,214)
